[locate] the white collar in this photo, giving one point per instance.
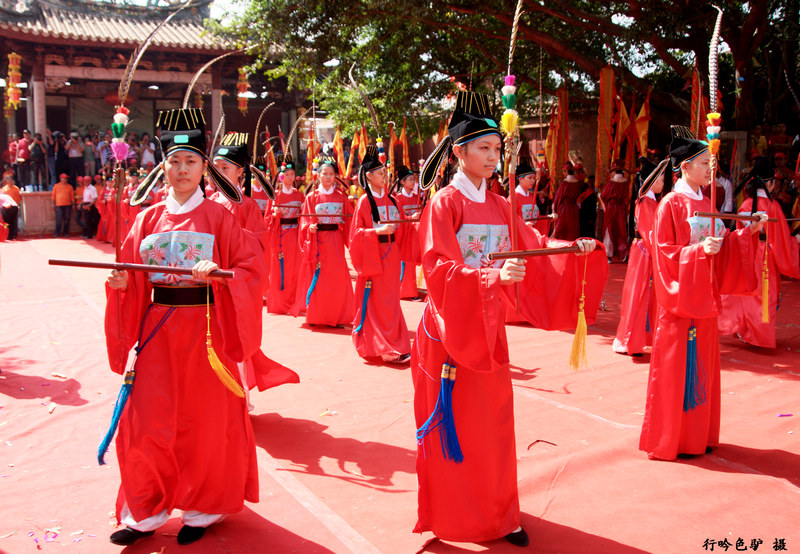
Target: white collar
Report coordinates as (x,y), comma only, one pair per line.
(619,178)
(176,209)
(323,190)
(762,194)
(683,187)
(465,187)
(521,190)
(406,193)
(650,194)
(290,190)
(570,179)
(376,195)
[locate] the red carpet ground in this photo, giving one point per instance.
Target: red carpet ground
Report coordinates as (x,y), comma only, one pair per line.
(336,452)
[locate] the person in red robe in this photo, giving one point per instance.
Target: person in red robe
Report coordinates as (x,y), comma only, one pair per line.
(110,214)
(408,199)
(528,210)
(467,475)
(282,228)
(232,159)
(185,441)
(742,315)
(565,205)
(615,199)
(325,290)
(682,411)
(379,328)
(637,311)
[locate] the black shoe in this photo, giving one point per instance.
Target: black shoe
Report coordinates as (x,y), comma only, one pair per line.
(518,538)
(128,536)
(403,358)
(189,534)
(709,450)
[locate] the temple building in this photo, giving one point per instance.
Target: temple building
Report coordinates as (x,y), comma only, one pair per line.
(74,52)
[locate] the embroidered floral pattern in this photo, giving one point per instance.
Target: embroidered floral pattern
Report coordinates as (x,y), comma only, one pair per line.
(701,228)
(477,241)
(332,208)
(176,249)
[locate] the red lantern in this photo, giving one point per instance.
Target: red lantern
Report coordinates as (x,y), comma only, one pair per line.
(242,86)
(112,99)
(14,95)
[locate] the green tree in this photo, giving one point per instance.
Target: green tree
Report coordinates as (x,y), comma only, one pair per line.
(408,53)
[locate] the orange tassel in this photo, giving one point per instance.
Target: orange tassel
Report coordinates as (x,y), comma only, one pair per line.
(578,358)
(216,364)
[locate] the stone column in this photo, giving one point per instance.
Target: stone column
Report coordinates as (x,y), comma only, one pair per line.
(36,95)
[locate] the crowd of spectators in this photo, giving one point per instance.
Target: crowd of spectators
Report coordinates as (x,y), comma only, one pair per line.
(36,160)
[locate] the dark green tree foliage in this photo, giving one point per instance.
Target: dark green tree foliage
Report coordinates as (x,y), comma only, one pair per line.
(410,53)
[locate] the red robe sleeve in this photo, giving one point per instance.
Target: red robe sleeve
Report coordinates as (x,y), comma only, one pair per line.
(782,245)
(551,291)
(307,241)
(645,216)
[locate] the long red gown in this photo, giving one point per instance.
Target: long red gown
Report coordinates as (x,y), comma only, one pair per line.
(742,314)
(637,311)
(686,296)
(185,440)
(100,204)
(331,302)
(258,194)
(384,333)
(477,500)
(615,197)
(411,255)
(283,244)
(261,371)
(565,205)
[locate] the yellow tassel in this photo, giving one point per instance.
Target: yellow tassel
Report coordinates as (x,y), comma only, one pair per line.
(219,368)
(509,122)
(577,357)
(765,284)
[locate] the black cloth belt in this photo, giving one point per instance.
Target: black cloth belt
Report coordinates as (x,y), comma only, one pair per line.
(288,221)
(327,226)
(182,296)
(386,238)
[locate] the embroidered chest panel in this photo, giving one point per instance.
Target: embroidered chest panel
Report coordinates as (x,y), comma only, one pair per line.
(410,209)
(176,249)
(477,241)
(701,228)
(529,211)
(332,208)
(393,213)
(292,212)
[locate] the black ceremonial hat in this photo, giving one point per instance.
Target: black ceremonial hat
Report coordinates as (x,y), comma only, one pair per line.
(472,118)
(233,148)
(371,161)
(403,172)
(183,129)
(685,149)
(524,169)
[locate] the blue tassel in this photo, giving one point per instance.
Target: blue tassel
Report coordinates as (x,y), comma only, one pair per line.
(693,393)
(313,283)
(367,289)
(280,261)
(649,293)
(122,399)
(442,417)
(402,270)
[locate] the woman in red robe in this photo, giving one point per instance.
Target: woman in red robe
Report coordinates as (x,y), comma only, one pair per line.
(408,199)
(682,412)
(637,311)
(742,315)
(185,440)
(232,159)
(325,290)
(467,475)
(565,206)
(282,227)
(527,210)
(615,198)
(379,328)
